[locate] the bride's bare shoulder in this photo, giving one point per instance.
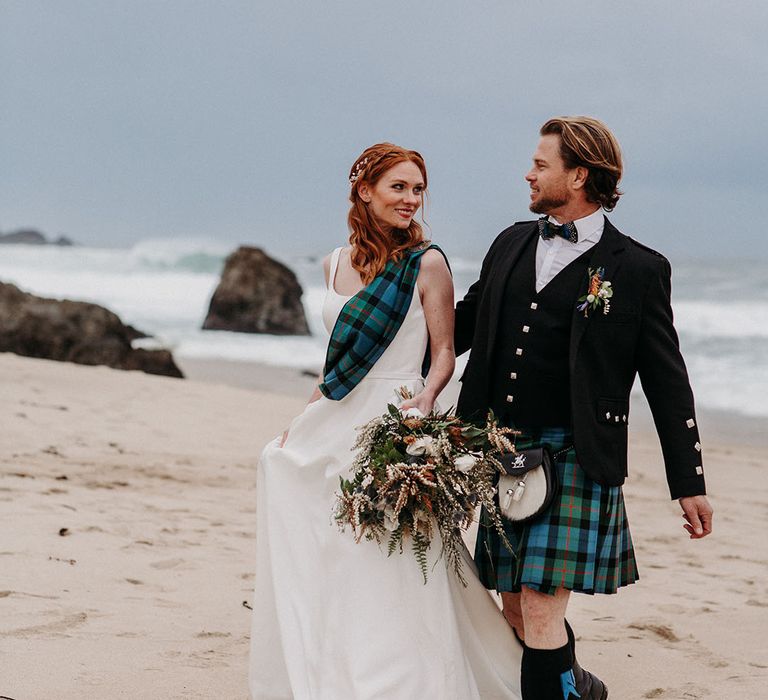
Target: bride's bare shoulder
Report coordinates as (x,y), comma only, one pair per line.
(327,267)
(327,261)
(433,263)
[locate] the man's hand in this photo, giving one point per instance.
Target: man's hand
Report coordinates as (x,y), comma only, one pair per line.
(698,513)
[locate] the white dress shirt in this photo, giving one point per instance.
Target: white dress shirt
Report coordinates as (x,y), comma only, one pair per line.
(553,254)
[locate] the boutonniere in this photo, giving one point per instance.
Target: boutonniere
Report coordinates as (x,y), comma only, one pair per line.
(598,293)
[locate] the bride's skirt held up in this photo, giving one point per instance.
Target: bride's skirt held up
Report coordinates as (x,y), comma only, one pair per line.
(338,620)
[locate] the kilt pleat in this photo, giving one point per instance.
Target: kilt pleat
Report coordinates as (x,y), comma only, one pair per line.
(581,543)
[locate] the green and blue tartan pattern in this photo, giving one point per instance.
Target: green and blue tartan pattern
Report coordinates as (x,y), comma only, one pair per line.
(581,543)
(368,323)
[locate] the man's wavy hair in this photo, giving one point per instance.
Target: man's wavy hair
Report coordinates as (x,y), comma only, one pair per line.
(588,143)
(372,246)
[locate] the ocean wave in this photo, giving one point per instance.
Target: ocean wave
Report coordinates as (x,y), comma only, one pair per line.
(729,382)
(163,286)
(302,352)
(190,254)
(719,319)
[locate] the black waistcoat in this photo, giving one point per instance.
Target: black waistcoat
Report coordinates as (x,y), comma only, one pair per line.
(530,383)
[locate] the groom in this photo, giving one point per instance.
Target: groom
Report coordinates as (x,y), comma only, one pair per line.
(555,359)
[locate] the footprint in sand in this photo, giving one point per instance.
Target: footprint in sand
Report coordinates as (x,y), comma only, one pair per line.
(6,594)
(108,485)
(171,654)
(57,627)
(166,563)
(685,692)
(664,631)
(210,658)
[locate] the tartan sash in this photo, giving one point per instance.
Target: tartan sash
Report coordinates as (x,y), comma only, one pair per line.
(368,323)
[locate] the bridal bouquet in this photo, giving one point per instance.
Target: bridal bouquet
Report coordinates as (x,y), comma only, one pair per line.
(414,474)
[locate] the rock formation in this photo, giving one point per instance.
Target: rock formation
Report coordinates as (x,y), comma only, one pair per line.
(257,294)
(74,331)
(30,236)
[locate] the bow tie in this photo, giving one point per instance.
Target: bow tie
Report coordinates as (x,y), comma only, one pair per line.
(549,230)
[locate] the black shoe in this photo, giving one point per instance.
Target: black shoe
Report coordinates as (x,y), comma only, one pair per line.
(588,685)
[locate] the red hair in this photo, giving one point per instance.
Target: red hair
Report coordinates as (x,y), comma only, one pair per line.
(372,246)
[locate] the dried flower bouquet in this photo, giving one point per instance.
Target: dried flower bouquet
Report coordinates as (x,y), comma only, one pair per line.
(416,475)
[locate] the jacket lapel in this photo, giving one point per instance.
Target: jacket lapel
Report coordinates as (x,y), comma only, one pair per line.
(508,257)
(606,254)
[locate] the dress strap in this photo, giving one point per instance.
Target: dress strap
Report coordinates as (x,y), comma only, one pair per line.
(334,266)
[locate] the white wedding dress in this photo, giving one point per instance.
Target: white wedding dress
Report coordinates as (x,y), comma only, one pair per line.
(338,620)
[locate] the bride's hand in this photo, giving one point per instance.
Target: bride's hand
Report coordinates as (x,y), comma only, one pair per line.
(422,401)
(316,395)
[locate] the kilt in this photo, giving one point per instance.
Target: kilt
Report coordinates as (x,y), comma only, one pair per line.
(581,543)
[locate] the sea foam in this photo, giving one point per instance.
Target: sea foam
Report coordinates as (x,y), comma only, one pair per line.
(164,287)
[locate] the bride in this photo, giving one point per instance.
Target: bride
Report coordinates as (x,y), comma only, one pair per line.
(334,619)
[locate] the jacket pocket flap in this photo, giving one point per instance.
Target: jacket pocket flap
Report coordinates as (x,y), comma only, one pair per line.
(613,411)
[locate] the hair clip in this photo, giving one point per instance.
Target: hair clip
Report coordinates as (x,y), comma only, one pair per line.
(358,168)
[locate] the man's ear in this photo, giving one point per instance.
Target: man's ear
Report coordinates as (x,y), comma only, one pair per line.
(365,192)
(579,177)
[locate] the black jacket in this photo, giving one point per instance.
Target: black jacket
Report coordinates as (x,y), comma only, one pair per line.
(637,336)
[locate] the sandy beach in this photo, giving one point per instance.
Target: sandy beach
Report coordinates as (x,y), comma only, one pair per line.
(127,542)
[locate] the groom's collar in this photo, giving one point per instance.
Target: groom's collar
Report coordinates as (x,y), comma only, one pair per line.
(589,227)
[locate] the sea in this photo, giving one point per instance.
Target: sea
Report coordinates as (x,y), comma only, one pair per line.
(163,287)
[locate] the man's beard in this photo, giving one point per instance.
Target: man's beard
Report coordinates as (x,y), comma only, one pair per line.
(545,204)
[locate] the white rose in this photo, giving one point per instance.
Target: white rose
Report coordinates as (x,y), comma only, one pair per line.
(464,463)
(606,284)
(590,298)
(419,446)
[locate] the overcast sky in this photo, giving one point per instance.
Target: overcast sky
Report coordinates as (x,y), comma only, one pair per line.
(127,120)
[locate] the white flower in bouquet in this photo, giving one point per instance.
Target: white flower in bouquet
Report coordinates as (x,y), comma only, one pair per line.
(412,413)
(465,463)
(420,446)
(605,291)
(391,522)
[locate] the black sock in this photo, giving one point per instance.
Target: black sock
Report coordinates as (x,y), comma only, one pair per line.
(546,674)
(578,671)
(571,636)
